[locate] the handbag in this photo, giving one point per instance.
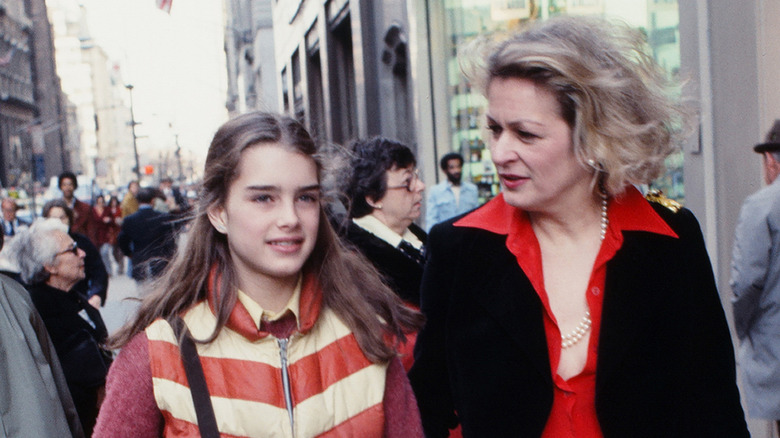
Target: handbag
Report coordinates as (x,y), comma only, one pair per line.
(204,411)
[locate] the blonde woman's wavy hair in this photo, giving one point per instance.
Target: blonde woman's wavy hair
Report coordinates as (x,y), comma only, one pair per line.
(626,114)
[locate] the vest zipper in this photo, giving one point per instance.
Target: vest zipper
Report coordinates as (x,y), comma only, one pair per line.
(283,344)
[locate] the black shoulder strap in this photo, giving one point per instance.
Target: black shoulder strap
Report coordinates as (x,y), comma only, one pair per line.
(207,422)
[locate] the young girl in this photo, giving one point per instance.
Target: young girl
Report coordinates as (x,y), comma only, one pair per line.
(294,333)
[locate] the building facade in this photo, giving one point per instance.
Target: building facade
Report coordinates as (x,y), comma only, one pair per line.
(249,50)
(345,68)
(32,114)
(100,128)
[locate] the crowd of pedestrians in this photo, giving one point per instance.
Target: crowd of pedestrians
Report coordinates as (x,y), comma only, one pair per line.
(65,260)
(272,308)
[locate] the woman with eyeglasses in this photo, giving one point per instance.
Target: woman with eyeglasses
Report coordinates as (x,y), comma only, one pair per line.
(94,286)
(385,197)
(51,264)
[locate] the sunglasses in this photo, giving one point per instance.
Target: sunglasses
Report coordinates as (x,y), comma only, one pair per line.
(74,248)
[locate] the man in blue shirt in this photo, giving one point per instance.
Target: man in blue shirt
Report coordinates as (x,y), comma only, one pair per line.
(451,197)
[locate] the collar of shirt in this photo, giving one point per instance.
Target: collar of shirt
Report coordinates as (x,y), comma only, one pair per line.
(629,212)
(382,231)
(259,314)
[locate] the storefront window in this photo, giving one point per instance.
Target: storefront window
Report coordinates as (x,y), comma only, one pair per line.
(465,19)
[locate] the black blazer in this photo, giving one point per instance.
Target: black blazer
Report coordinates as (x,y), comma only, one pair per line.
(148,238)
(665,359)
(402,272)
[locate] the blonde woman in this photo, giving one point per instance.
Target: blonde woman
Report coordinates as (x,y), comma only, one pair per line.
(569,306)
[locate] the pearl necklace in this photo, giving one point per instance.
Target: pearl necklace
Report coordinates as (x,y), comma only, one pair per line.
(604,218)
(576,335)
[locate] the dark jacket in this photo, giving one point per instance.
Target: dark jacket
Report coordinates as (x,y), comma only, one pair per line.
(665,359)
(95,280)
(402,271)
(148,238)
(78,345)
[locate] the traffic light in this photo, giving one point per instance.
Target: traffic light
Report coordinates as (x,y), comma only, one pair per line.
(148,169)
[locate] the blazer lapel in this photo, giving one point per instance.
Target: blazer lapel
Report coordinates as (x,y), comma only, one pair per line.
(511,300)
(630,301)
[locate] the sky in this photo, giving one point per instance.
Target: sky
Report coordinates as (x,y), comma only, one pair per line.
(176,64)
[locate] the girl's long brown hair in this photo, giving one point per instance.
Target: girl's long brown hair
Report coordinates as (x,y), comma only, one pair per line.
(351,286)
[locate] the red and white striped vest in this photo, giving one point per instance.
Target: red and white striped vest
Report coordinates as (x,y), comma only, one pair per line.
(335,391)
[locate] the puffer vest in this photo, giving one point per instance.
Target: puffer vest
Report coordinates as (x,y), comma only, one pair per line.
(317,382)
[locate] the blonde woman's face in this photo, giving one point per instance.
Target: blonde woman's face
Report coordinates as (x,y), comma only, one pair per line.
(531,146)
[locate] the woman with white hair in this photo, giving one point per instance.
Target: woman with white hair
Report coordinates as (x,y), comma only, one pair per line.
(51,263)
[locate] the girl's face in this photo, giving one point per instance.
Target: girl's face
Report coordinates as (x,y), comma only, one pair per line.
(271,215)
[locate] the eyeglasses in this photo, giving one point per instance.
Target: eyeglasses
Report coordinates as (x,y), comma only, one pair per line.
(74,248)
(410,183)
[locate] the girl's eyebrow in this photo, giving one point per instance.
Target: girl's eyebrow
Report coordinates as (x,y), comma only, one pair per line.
(270,187)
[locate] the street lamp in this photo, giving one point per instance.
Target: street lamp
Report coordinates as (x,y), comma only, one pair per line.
(132,126)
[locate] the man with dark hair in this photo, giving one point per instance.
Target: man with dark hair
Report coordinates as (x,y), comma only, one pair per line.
(755,281)
(82,212)
(451,197)
(148,237)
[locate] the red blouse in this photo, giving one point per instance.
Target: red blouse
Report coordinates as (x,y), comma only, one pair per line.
(573,411)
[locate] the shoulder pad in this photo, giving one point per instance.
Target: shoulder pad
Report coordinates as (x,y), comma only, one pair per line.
(658,197)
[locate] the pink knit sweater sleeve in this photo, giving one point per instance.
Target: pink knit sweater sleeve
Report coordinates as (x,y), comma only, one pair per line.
(129,409)
(402,418)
